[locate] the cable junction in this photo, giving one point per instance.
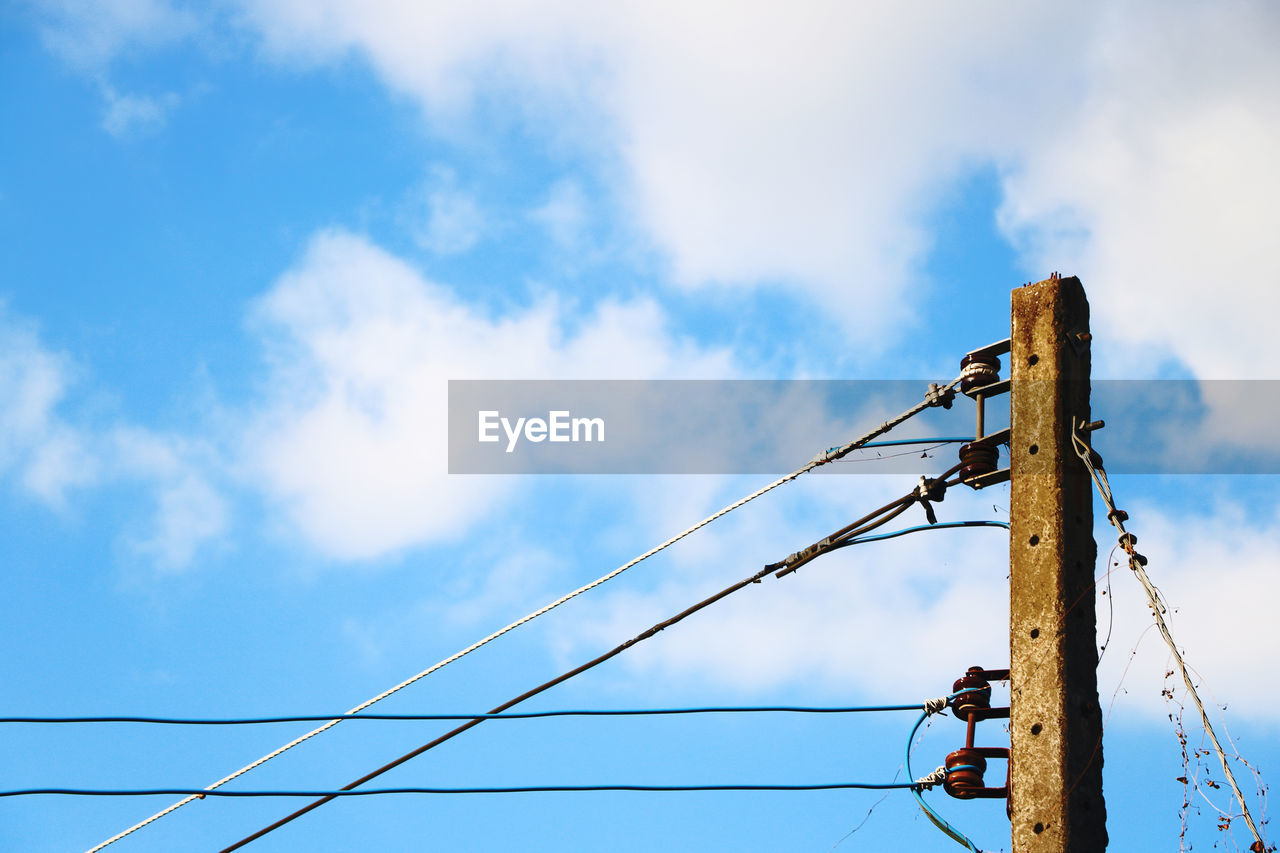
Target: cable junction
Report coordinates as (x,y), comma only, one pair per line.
(935,396)
(1137,563)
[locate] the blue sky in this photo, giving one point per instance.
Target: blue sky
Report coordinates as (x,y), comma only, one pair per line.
(247,244)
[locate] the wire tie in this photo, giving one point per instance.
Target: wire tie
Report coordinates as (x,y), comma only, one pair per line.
(937,777)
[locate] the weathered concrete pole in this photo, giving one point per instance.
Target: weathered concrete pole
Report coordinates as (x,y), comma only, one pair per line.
(1056,800)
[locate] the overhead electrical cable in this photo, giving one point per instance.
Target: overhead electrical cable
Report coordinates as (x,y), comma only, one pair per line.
(862,525)
(518,789)
(514,715)
(935,396)
(941,525)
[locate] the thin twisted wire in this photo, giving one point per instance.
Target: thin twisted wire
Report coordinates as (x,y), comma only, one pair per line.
(1099,476)
(934,397)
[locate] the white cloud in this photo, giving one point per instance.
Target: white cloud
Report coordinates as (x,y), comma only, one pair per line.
(806,144)
(565,214)
(802,144)
(49,455)
(1157,185)
(444,218)
(190,511)
(1215,568)
(133,115)
(352,438)
(90,35)
(53,456)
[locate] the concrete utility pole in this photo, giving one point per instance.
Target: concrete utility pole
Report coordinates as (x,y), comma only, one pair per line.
(1056,800)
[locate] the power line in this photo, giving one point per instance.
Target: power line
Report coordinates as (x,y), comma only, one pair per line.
(518,789)
(864,524)
(935,396)
(942,525)
(899,442)
(516,715)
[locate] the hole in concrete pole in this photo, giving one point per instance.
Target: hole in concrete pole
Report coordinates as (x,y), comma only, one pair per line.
(1036,728)
(1035,632)
(1034,540)
(1038,828)
(1032,359)
(1033,449)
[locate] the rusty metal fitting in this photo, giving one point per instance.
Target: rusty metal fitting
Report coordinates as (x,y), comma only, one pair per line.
(965,769)
(977,372)
(976,695)
(977,459)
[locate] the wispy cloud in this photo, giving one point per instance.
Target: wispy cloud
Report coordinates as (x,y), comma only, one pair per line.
(90,35)
(127,116)
(49,455)
(442,217)
(56,456)
(565,214)
(190,509)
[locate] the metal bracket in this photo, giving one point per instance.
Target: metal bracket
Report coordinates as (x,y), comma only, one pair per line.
(992,350)
(992,439)
(995,389)
(982,481)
